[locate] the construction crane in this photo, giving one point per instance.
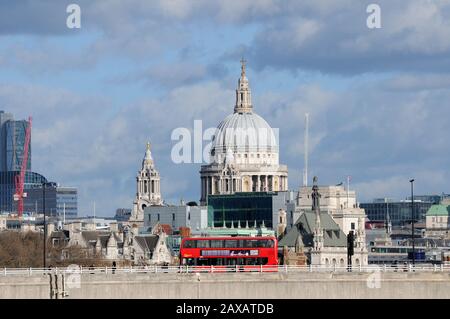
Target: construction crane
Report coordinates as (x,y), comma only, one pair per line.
(20,178)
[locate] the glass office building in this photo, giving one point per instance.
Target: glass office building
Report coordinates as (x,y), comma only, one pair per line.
(12,143)
(59,201)
(8,188)
(15,132)
(243,208)
(399,212)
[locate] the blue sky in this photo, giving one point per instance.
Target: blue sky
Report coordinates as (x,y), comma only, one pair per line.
(136,70)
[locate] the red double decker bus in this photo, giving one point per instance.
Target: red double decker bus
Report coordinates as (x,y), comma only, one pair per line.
(246,253)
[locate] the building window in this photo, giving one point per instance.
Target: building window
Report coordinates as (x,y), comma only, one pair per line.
(353,226)
(158,217)
(173,217)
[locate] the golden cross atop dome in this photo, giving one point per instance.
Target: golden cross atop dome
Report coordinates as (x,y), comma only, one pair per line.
(243,62)
(148,146)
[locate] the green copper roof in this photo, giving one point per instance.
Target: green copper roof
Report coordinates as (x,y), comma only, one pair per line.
(438,210)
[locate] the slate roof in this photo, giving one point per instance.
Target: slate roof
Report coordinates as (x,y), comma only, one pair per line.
(61,234)
(91,236)
(304,230)
(147,242)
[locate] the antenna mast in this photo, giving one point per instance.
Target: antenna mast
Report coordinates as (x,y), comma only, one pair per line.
(305,170)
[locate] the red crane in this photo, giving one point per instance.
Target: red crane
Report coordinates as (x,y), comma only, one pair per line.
(20,178)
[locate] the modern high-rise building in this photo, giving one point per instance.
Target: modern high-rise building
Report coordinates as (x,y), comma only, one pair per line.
(4,117)
(12,143)
(8,188)
(59,201)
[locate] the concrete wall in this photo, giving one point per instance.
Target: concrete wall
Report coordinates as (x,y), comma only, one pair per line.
(239,286)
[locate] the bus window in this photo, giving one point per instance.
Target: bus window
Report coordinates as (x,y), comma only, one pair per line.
(189,261)
(251,261)
(263,261)
(189,244)
(250,243)
(217,261)
(216,243)
(262,243)
(231,244)
(231,261)
(270,243)
(203,244)
(202,262)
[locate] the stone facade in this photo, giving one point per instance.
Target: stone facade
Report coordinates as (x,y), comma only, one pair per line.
(320,233)
(148,191)
(244,155)
(342,206)
(437,221)
(113,244)
(151,249)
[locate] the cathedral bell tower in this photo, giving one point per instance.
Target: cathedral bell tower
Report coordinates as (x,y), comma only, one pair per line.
(243,93)
(148,191)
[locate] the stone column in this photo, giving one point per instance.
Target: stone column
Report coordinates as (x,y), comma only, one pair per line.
(201,188)
(266,184)
(204,188)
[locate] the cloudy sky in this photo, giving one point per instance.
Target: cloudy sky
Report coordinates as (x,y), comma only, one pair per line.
(378,98)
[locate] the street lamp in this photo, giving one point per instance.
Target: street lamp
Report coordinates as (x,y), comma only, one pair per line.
(412,222)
